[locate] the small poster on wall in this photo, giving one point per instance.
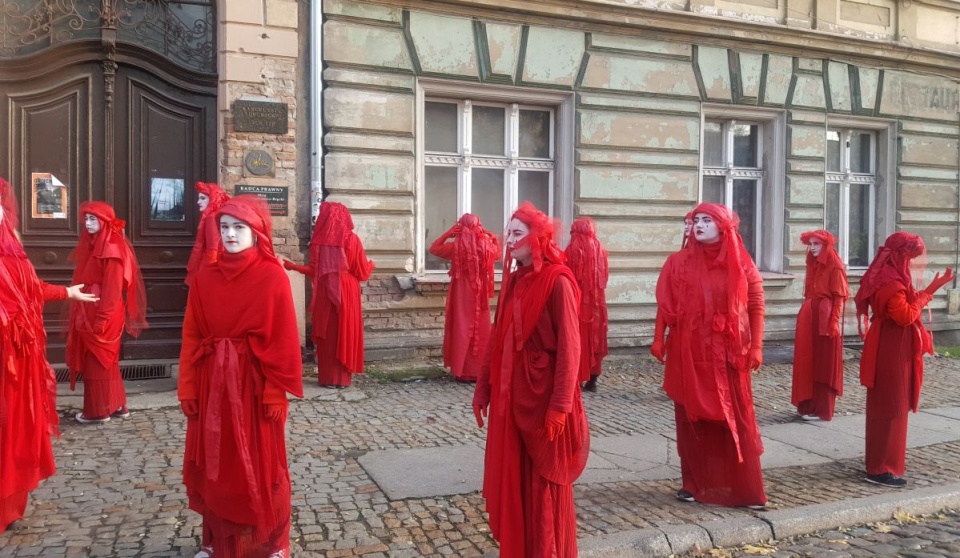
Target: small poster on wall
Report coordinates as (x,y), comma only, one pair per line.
(48,195)
(166,199)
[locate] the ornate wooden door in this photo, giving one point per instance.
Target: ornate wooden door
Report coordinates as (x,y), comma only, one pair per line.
(110,100)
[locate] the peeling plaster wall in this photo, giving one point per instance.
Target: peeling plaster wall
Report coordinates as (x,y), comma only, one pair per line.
(639,104)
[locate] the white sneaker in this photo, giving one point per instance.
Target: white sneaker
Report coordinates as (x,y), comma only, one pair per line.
(809,417)
(280,554)
(205,552)
(84,420)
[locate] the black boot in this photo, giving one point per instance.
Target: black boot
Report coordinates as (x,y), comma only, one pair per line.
(591,386)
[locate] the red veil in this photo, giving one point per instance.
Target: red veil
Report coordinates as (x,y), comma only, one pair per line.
(327,255)
(111,242)
(891,264)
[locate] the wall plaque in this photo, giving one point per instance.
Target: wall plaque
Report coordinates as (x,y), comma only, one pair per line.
(276,197)
(260,116)
(259,163)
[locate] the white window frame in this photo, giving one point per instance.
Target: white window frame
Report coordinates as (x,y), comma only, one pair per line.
(514,99)
(883,192)
(770,175)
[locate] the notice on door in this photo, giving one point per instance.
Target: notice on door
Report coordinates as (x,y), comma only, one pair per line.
(48,195)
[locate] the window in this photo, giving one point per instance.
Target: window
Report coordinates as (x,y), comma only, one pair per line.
(732,173)
(742,167)
(486,155)
(851,193)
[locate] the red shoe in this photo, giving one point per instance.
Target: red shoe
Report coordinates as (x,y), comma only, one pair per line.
(122,412)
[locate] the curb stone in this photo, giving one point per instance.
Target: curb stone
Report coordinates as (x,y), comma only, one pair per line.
(677,539)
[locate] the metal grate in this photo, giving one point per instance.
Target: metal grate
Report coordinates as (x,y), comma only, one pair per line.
(129,372)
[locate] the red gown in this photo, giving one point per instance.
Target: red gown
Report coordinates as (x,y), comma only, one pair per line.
(534,367)
(714,326)
(818,352)
(891,368)
(337,329)
(28,389)
(235,358)
(588,260)
(467,317)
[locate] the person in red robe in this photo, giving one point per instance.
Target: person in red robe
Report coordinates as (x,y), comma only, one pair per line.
(472,253)
(206,247)
(28,387)
(240,357)
(711,298)
(107,267)
(818,345)
(891,364)
(587,258)
(538,438)
(337,265)
(660,338)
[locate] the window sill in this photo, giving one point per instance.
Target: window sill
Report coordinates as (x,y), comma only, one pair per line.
(773,280)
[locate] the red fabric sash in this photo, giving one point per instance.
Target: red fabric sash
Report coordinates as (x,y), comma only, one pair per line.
(225,385)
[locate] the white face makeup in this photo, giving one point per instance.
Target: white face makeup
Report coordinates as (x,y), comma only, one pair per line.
(1,214)
(203,201)
(687,227)
(816,247)
(517,230)
(705,229)
(236,235)
(91,222)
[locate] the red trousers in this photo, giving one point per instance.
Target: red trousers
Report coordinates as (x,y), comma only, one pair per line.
(822,404)
(103,391)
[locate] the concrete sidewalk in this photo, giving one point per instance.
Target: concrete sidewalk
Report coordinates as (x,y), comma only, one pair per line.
(391,470)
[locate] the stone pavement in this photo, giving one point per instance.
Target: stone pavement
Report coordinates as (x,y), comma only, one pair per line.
(118,490)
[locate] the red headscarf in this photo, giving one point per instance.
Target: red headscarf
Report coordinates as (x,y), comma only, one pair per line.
(9,243)
(587,259)
(327,255)
(730,253)
(827,260)
(216,194)
(891,264)
(110,242)
(477,250)
(254,211)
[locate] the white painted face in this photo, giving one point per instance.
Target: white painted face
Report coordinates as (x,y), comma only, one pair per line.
(816,247)
(237,235)
(1,214)
(203,201)
(92,224)
(705,229)
(687,227)
(517,230)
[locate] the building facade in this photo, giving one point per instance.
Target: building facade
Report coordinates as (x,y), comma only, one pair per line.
(799,114)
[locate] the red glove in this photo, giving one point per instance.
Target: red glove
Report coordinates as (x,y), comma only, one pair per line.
(480,412)
(939,282)
(657,350)
(554,423)
(755,358)
(835,330)
(660,328)
(190,408)
(273,411)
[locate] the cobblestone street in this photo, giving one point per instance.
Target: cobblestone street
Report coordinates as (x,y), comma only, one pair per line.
(118,489)
(929,536)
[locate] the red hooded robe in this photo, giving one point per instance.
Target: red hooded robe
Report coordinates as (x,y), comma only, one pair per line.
(587,258)
(107,267)
(891,365)
(473,253)
(28,388)
(237,358)
(207,245)
(818,349)
(710,296)
(532,376)
(337,265)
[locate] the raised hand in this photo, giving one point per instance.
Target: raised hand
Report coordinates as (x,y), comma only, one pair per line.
(939,281)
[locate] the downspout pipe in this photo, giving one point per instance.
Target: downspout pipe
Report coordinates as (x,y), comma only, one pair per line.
(316,108)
